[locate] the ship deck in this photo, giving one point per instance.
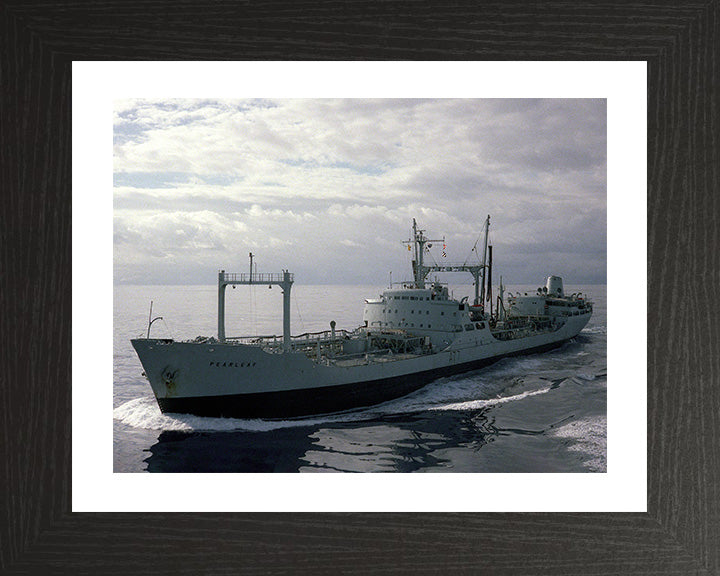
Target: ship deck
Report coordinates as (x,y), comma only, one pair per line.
(370,358)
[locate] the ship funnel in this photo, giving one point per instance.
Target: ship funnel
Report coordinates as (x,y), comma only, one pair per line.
(554,286)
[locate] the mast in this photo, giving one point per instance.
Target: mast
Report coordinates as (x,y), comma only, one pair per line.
(487,228)
(500,304)
(284,280)
(418,246)
(420,270)
(418,241)
(489,279)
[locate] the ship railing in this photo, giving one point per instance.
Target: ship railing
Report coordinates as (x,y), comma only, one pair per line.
(251,339)
(323,335)
(523,331)
(368,357)
(256,278)
(307,338)
(377,355)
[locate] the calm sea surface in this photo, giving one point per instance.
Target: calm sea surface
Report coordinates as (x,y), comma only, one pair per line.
(537,413)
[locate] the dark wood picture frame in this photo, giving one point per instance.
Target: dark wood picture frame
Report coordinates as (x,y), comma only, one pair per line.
(680,533)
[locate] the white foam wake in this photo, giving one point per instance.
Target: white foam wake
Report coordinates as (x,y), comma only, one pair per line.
(588,436)
(476,404)
(144,413)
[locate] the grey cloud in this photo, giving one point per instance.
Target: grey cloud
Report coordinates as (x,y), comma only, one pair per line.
(329,187)
(548,135)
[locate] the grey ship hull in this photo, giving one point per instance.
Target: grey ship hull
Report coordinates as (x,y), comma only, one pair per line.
(323,400)
(244,381)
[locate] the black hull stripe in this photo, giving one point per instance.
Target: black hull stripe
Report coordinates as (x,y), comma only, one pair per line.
(309,401)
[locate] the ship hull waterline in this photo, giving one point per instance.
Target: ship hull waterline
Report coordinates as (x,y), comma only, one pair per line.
(329,399)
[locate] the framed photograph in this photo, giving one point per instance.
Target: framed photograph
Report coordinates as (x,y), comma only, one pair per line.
(651,508)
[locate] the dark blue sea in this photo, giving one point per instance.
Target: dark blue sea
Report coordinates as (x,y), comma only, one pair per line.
(537,413)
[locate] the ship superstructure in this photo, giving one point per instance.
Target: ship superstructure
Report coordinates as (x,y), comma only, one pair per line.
(412,334)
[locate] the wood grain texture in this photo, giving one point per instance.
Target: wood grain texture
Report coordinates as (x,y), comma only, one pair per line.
(680,534)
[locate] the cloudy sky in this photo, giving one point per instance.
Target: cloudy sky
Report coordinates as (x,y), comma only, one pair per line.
(328,188)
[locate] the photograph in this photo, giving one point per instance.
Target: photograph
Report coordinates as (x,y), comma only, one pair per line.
(360,285)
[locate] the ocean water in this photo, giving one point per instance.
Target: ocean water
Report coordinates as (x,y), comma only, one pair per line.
(537,413)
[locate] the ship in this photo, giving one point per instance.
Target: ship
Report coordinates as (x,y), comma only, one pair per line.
(414,333)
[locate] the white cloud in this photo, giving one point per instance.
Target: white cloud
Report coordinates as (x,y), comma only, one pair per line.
(328,187)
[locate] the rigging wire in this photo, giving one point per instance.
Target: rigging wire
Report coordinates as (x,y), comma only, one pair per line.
(253,311)
(429,253)
(168,329)
(474,249)
(253,289)
(297,308)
